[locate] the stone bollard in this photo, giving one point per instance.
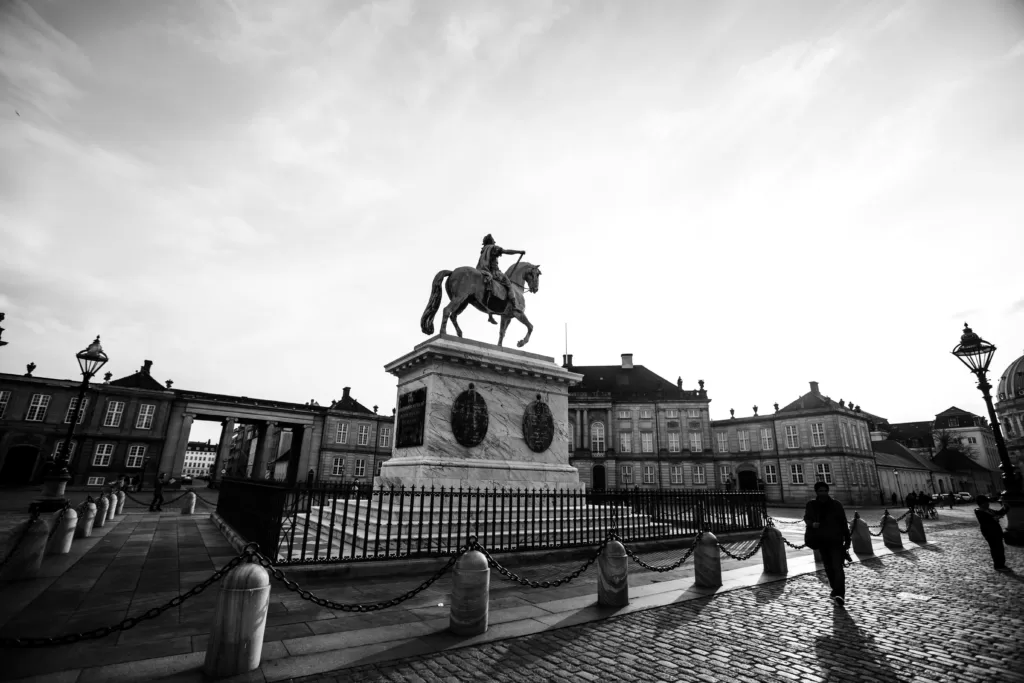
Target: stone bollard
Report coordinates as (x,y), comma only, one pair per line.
(120,502)
(915,531)
(111,506)
(613,579)
(26,560)
(189,506)
(773,552)
(891,531)
(471,588)
(101,512)
(60,542)
(86,520)
(707,562)
(236,637)
(861,536)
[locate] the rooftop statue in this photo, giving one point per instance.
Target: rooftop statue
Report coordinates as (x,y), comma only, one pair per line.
(485,288)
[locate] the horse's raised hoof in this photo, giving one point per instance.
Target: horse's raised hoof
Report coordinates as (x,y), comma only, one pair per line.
(521,342)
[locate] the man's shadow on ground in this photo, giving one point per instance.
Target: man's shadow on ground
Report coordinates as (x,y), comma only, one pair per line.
(847,639)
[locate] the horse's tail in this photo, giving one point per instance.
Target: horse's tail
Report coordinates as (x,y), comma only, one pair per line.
(427,319)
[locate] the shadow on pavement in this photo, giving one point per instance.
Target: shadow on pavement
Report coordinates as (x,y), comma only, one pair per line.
(871,562)
(931,548)
(769,592)
(848,640)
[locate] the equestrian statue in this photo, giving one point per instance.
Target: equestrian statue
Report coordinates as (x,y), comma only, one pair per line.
(485,288)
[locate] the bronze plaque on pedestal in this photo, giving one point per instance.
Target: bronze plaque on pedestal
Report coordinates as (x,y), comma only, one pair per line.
(538,426)
(412,414)
(469,418)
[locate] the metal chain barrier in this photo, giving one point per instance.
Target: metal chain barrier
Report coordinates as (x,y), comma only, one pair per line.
(60,518)
(512,576)
(135,500)
(779,521)
(208,503)
(128,623)
(255,555)
(667,567)
(747,556)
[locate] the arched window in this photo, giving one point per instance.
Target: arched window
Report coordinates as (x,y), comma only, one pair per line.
(597,437)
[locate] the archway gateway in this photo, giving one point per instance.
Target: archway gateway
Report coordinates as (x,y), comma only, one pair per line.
(747,480)
(598,478)
(18,466)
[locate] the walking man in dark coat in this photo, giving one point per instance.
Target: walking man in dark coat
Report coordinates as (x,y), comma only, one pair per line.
(826,516)
(158,493)
(992,530)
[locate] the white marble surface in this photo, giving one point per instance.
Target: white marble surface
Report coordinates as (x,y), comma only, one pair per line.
(508,382)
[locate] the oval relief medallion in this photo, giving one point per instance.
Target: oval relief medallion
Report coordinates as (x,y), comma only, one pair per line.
(469,418)
(538,426)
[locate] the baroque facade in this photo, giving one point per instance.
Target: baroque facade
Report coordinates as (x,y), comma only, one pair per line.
(1010,410)
(199,458)
(356,442)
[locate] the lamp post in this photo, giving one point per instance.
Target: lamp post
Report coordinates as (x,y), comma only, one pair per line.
(976,354)
(896,473)
(57,476)
(2,342)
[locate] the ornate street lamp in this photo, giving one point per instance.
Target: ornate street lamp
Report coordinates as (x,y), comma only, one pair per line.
(976,354)
(896,474)
(90,360)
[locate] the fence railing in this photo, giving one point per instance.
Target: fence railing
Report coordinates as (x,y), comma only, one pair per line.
(349,522)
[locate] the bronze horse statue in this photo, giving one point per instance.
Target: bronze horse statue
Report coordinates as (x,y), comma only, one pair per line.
(465,286)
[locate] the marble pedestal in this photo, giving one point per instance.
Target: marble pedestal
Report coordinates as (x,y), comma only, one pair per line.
(430,379)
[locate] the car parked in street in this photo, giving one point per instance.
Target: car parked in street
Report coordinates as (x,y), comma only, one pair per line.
(964,497)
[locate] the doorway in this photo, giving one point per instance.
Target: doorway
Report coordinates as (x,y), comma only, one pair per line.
(747,480)
(598,476)
(18,466)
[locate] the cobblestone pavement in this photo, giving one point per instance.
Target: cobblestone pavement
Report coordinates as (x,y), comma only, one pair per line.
(938,613)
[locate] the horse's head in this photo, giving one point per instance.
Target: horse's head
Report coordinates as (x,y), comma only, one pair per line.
(532,278)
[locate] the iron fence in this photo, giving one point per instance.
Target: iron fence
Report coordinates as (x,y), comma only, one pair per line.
(350,522)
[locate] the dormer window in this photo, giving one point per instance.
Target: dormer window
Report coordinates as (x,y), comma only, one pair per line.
(953,422)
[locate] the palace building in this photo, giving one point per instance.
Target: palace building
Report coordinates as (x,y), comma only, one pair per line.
(1010,410)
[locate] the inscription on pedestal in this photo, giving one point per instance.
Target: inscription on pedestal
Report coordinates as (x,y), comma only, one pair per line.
(469,418)
(412,413)
(538,426)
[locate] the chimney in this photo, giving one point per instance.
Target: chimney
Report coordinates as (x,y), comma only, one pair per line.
(146,365)
(567,360)
(627,361)
(344,392)
(679,383)
(814,387)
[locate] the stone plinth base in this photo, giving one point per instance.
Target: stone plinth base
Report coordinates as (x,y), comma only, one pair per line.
(503,448)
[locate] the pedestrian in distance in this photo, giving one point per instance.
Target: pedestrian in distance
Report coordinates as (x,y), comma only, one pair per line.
(894,499)
(827,525)
(992,531)
(158,493)
(952,499)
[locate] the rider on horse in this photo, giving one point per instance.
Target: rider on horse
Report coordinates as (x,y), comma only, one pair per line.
(488,265)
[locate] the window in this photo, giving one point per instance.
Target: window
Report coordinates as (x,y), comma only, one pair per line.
(364,435)
(692,412)
(677,474)
(972,439)
(626,474)
(771,476)
(103,453)
(673,442)
(95,481)
(376,468)
(818,434)
(338,467)
(723,473)
(953,422)
(625,415)
(744,441)
(145,419)
(37,408)
(135,456)
(865,437)
(672,414)
(823,472)
(385,437)
(647,442)
(625,443)
(698,474)
(645,415)
(597,437)
(695,443)
(572,436)
(854,479)
(792,437)
(648,474)
(71,410)
(796,474)
(341,435)
(360,467)
(856,437)
(5,397)
(723,442)
(767,440)
(71,451)
(842,429)
(114,411)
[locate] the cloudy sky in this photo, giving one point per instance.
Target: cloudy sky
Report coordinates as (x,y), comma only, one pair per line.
(257,195)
